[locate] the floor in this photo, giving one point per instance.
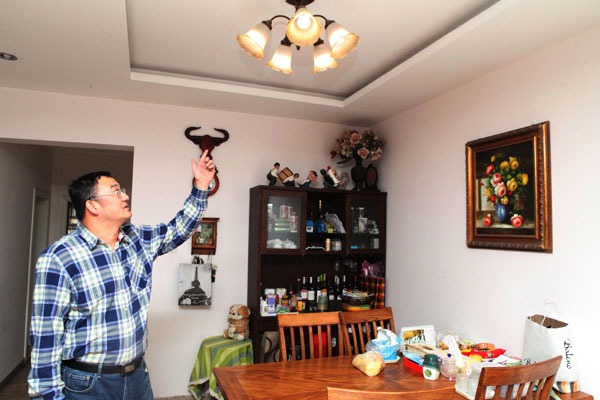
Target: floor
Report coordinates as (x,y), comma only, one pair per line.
(16,389)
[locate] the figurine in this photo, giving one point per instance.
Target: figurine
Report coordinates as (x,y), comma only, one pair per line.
(312,176)
(272,175)
(327,181)
(334,177)
(291,180)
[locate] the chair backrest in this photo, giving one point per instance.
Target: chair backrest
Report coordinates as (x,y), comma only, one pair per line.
(363,326)
(525,376)
(355,394)
(310,328)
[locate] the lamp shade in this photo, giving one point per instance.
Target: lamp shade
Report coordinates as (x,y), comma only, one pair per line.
(341,41)
(255,40)
(322,58)
(303,29)
(282,59)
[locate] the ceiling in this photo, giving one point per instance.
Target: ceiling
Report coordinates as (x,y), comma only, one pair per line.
(184,52)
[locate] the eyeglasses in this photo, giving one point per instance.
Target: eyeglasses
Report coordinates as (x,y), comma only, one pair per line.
(117,193)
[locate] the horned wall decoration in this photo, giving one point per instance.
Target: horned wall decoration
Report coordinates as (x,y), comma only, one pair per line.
(207,142)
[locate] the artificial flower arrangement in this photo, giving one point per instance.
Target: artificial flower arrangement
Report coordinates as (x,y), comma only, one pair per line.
(366,145)
(505,186)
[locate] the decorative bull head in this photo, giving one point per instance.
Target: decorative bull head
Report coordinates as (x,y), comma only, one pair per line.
(207,142)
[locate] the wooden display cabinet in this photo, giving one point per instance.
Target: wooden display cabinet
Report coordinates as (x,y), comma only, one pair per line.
(280,250)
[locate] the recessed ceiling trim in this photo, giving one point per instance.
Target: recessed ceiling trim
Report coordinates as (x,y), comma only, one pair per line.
(433,48)
(149,76)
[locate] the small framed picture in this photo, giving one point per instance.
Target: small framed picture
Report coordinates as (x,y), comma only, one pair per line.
(417,335)
(204,240)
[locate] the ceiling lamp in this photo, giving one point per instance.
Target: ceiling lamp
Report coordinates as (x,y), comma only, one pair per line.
(303,29)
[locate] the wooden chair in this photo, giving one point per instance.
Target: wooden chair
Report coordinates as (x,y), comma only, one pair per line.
(364,327)
(307,326)
(525,376)
(355,394)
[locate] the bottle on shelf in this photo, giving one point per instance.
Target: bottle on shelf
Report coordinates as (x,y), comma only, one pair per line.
(303,295)
(311,296)
(293,302)
(331,294)
(338,294)
(321,223)
(323,301)
(344,286)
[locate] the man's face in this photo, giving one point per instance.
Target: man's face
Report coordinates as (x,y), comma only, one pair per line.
(112,207)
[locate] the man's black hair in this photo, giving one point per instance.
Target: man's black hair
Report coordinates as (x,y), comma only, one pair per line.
(83,189)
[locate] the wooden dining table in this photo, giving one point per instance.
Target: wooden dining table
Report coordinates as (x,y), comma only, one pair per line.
(309,379)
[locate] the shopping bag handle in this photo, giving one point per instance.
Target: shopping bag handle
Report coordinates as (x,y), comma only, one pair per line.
(547,301)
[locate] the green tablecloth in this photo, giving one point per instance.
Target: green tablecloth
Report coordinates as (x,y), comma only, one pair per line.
(217,351)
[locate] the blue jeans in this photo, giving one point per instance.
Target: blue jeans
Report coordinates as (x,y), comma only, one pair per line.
(80,385)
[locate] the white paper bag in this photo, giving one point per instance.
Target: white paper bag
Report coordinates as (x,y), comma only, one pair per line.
(547,338)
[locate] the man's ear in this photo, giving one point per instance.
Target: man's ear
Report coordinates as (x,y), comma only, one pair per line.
(92,207)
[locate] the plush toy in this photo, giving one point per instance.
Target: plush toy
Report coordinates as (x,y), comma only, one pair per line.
(239,317)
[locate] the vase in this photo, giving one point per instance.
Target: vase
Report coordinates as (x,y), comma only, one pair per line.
(358,173)
(502,211)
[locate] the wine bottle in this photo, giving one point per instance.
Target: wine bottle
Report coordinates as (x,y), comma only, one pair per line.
(311,296)
(344,286)
(323,300)
(331,294)
(304,295)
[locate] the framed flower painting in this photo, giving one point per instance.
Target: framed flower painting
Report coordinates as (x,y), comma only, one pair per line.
(509,203)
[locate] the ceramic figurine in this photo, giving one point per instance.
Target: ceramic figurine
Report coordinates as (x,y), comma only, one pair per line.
(332,173)
(312,176)
(291,180)
(327,181)
(272,175)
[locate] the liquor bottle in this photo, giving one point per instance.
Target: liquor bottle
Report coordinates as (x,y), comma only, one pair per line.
(304,295)
(318,289)
(344,286)
(331,294)
(293,302)
(323,300)
(338,295)
(321,223)
(311,296)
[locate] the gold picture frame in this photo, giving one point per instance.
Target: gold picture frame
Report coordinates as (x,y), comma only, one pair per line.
(204,240)
(509,203)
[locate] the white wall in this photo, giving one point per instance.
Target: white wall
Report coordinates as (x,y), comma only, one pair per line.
(22,168)
(162,180)
(71,163)
(486,294)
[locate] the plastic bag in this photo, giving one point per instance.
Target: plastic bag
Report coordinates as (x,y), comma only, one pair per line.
(387,344)
(370,363)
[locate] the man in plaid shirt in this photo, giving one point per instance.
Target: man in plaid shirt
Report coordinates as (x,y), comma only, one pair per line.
(92,292)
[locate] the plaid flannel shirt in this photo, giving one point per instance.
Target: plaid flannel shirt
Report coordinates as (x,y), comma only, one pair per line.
(90,302)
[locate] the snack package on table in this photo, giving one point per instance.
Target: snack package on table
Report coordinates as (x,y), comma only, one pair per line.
(370,363)
(387,344)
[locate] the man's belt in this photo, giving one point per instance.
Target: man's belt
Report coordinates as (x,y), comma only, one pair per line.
(107,369)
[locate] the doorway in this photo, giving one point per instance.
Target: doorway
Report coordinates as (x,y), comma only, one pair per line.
(40,228)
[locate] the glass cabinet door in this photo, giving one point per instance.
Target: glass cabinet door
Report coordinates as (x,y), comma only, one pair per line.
(367,219)
(283,221)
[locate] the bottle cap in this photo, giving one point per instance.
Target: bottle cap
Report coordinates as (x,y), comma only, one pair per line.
(431,361)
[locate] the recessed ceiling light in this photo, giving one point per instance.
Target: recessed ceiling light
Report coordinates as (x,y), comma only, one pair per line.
(8,57)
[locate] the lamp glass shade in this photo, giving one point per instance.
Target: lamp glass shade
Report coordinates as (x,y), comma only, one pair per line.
(322,58)
(303,29)
(255,40)
(341,41)
(282,59)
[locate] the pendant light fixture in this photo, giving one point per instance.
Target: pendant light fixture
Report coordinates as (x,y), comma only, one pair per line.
(303,29)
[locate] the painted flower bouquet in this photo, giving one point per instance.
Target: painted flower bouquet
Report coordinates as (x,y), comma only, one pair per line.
(351,144)
(506,188)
